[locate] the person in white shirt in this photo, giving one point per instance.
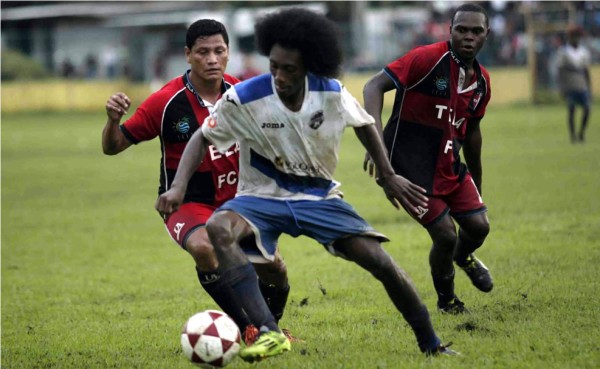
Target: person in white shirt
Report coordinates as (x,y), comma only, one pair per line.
(574,81)
(289,125)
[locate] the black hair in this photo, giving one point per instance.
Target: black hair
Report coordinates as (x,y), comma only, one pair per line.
(312,34)
(470,7)
(205,28)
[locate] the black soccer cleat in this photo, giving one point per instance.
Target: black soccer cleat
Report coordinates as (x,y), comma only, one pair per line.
(478,273)
(442,350)
(452,307)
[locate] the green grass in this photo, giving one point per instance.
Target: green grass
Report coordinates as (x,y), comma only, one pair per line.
(90,278)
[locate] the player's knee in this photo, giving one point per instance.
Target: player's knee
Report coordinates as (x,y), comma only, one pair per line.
(484,230)
(374,259)
(202,251)
(219,231)
(480,231)
(444,240)
(385,266)
(200,248)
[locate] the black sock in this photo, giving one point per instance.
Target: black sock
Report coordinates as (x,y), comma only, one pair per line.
(243,282)
(444,287)
(213,285)
(423,329)
(275,297)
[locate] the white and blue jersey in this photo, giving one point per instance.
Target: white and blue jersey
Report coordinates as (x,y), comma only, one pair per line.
(287,161)
(285,154)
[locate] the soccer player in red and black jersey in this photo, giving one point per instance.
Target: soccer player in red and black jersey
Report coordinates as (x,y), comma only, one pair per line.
(441,96)
(173,114)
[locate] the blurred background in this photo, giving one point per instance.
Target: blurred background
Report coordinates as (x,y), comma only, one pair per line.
(73,54)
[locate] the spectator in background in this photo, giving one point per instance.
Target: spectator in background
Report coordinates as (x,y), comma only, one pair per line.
(67,69)
(574,81)
(159,70)
(90,66)
(110,59)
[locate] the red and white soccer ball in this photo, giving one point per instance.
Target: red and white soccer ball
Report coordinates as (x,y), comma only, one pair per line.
(210,339)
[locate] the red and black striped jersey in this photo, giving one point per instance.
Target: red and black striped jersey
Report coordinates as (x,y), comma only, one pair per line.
(432,108)
(173,114)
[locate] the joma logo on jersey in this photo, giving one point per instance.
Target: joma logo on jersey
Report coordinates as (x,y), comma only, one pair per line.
(272,125)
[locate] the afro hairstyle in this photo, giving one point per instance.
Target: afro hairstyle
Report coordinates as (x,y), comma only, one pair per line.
(312,34)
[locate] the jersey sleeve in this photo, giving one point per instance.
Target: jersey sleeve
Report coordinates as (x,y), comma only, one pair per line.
(487,97)
(144,124)
(353,113)
(223,127)
(410,68)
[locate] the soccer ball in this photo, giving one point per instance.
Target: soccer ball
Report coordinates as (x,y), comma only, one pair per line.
(210,339)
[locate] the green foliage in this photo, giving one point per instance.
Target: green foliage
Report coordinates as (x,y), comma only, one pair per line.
(90,278)
(18,66)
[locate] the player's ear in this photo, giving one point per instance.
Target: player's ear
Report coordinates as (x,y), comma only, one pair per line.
(187,52)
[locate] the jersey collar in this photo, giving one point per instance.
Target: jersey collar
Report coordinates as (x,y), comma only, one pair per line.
(454,56)
(188,84)
(480,89)
(459,61)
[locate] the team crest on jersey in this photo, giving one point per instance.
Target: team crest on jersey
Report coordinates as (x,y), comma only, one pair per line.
(475,100)
(316,120)
(183,126)
(441,83)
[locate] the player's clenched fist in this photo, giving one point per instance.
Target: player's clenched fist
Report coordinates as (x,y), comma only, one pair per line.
(117,106)
(169,202)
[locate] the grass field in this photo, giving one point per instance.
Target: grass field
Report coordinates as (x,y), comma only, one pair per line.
(90,278)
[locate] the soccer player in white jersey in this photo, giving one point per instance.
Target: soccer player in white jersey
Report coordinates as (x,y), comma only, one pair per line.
(289,125)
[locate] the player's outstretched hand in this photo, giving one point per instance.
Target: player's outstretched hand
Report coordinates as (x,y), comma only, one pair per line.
(369,165)
(401,191)
(169,202)
(117,106)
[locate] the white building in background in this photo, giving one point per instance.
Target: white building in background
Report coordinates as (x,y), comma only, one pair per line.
(134,38)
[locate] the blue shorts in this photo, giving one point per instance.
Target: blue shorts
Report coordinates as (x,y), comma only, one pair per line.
(578,98)
(323,220)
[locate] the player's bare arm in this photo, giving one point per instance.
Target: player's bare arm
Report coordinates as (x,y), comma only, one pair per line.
(398,189)
(373,95)
(169,202)
(113,140)
(472,152)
